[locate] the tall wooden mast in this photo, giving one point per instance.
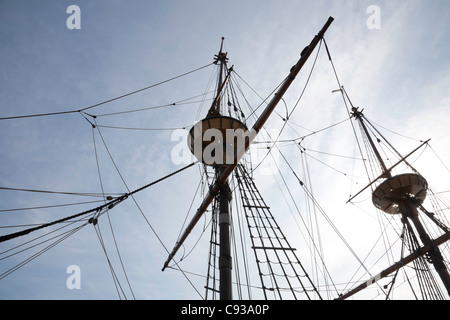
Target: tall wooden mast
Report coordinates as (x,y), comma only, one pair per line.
(402,194)
(225,260)
(216,121)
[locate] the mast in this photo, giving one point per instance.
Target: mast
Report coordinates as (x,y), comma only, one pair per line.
(225,260)
(220,186)
(403,194)
(409,209)
(359,116)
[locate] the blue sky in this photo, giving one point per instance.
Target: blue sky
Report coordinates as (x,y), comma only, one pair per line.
(398,73)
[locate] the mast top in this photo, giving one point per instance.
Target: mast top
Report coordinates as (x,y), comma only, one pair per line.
(221,57)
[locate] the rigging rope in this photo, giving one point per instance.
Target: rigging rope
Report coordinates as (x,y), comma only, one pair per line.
(63,236)
(343,93)
(49,206)
(98,209)
(301,137)
(177,103)
(141,129)
(427,282)
(268,237)
(111,268)
(324,214)
(137,205)
(106,101)
(96,226)
(295,106)
(84,194)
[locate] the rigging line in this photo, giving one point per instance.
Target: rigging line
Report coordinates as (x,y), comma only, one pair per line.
(288,116)
(109,204)
(103,102)
(399,134)
(295,106)
(290,210)
(185,255)
(236,103)
(39,115)
(445,191)
(439,204)
(405,275)
(208,86)
(307,80)
(323,129)
(302,137)
(96,161)
(327,165)
(291,123)
(271,226)
(142,129)
(243,243)
(363,117)
(236,261)
(107,214)
(203,276)
(343,94)
(384,222)
(21,225)
(372,159)
(439,159)
(83,194)
(45,225)
(332,154)
(388,249)
(287,110)
(111,268)
(298,100)
(139,208)
(177,103)
(190,207)
(34,256)
(35,239)
(239,88)
(187,278)
(310,235)
(129,193)
(420,266)
(50,206)
(252,219)
(316,203)
(262,99)
(254,91)
(265,100)
(212,255)
(314,217)
(402,251)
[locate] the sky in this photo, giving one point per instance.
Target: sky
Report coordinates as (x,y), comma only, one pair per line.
(390,56)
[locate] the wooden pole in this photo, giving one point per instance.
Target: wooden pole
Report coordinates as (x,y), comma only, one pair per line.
(225,259)
(410,211)
(403,262)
